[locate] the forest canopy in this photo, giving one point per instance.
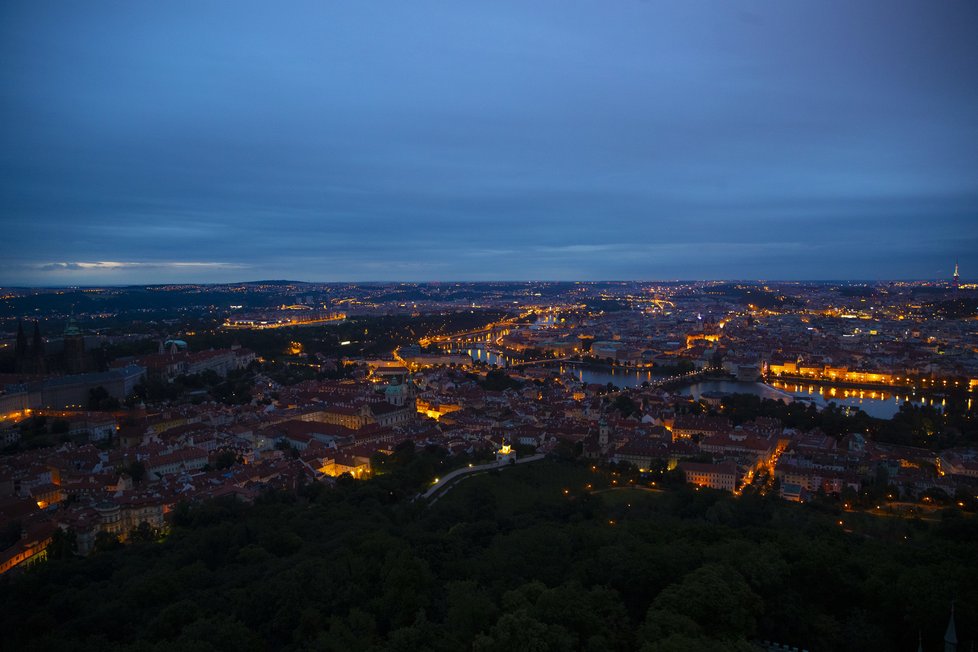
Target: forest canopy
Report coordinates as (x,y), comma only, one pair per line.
(524,559)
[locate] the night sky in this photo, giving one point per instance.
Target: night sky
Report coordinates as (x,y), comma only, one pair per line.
(411,140)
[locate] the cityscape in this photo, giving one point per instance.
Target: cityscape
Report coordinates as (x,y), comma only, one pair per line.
(123,406)
(547,326)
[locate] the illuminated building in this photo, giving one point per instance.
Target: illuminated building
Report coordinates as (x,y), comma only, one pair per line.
(30,549)
(957,278)
(357,466)
(715,476)
(505,454)
(436,410)
(284,316)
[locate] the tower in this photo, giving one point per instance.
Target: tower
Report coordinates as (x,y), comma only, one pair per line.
(37,350)
(21,351)
(74,348)
(604,430)
(957,279)
(395,392)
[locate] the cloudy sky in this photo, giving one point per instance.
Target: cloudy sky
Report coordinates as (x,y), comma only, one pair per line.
(527,139)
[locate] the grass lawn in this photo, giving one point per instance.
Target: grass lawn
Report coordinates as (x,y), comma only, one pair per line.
(528,487)
(617,496)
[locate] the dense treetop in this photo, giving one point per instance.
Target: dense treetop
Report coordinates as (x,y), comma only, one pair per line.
(523,559)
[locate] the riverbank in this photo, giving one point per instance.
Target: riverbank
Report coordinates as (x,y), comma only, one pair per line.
(939,392)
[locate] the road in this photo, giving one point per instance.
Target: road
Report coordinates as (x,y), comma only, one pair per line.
(444,484)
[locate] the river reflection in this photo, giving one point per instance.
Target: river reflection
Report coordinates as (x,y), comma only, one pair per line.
(882,404)
(584,373)
(879,403)
(480,354)
(617,377)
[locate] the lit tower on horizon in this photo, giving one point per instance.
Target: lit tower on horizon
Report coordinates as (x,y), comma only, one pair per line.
(957,279)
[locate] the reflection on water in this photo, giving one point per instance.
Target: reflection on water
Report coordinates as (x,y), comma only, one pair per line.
(479,354)
(617,377)
(879,403)
(546,321)
(882,404)
(734,387)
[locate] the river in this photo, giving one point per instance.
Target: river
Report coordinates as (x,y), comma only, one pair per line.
(882,403)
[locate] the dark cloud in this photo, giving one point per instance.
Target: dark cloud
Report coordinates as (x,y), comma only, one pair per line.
(423,140)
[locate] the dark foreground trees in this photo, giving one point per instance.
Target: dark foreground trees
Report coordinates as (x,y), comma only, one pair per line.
(506,561)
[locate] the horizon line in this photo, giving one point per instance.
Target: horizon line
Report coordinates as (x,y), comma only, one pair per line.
(469,282)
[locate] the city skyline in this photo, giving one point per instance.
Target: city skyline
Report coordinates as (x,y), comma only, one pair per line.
(419,142)
(949,281)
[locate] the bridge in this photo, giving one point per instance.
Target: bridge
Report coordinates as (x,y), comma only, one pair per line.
(687,377)
(484,334)
(527,363)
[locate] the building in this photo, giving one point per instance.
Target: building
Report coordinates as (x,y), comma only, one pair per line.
(685,426)
(180,461)
(357,466)
(73,391)
(723,476)
(31,548)
(75,360)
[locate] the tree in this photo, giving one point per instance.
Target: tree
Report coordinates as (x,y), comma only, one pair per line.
(469,608)
(498,380)
(142,533)
(136,470)
(714,600)
(105,541)
(60,426)
(64,544)
(520,631)
(624,404)
(225,459)
(99,399)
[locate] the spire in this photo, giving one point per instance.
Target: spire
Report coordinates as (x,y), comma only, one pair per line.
(35,364)
(37,346)
(71,328)
(951,635)
(957,278)
(920,641)
(21,348)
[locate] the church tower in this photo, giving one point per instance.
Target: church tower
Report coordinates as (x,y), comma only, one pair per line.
(957,278)
(604,432)
(396,392)
(37,350)
(21,351)
(74,351)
